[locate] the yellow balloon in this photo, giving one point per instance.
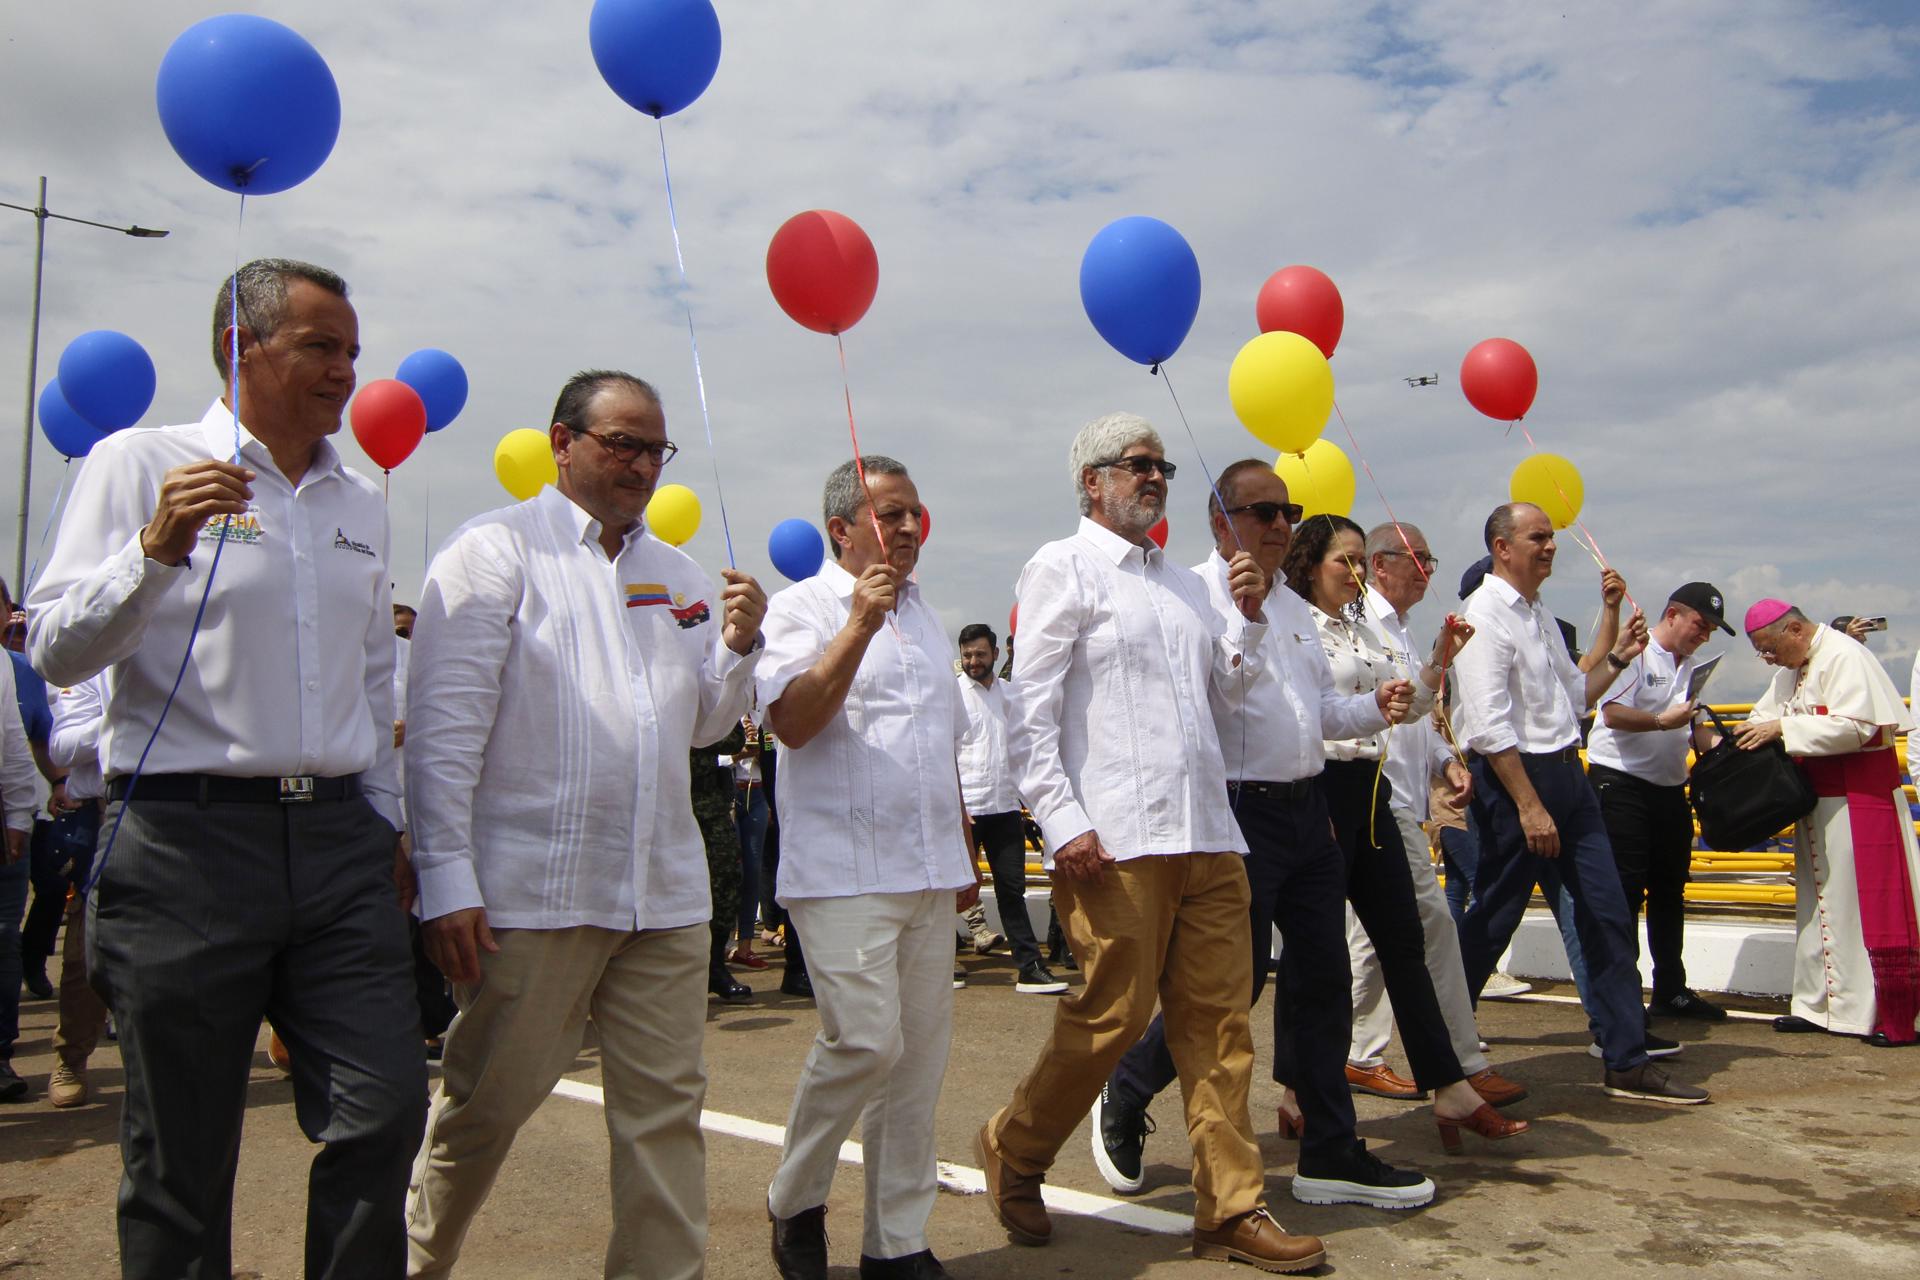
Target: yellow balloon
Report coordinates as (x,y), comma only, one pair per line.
(524,462)
(673,516)
(1550,483)
(1320,480)
(1282,390)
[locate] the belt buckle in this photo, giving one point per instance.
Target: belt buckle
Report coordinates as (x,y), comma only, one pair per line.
(296,790)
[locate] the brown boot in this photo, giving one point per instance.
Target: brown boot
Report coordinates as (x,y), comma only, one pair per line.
(1015,1197)
(1496,1089)
(1257,1239)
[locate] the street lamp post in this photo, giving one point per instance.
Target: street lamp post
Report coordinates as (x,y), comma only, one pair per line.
(40,215)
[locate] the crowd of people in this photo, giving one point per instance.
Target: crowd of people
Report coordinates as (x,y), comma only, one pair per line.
(620,776)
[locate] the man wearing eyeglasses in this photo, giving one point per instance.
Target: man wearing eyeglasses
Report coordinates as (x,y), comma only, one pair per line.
(564,663)
(1116,752)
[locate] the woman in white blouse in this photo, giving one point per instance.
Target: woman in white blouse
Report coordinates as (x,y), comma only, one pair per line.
(1326,566)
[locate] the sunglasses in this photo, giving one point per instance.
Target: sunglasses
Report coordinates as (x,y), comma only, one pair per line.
(1143,466)
(1268,512)
(1427,559)
(625,448)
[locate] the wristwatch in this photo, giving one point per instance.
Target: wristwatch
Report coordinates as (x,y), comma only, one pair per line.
(1615,661)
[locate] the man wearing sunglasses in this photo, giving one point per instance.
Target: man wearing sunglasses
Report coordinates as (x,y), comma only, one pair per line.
(564,663)
(1116,753)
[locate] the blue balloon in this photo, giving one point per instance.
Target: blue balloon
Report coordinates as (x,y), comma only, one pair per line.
(440,381)
(658,55)
(108,378)
(1140,284)
(248,104)
(68,432)
(796,549)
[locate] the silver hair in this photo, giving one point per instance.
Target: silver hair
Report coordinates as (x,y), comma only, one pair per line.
(261,286)
(1104,440)
(844,495)
(1392,536)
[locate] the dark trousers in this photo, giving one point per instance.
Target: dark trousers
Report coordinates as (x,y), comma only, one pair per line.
(1504,882)
(206,919)
(1651,829)
(1380,887)
(41,929)
(1297,876)
(750,820)
(1001,837)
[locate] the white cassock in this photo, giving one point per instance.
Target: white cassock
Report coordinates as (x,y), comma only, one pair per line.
(1856,866)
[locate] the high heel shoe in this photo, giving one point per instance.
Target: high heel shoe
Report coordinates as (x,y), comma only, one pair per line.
(1292,1127)
(1486,1122)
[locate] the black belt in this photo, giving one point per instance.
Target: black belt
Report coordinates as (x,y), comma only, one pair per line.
(213,788)
(1297,790)
(1565,755)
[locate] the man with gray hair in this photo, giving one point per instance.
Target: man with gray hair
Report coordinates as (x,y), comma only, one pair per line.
(857,681)
(275,767)
(1116,752)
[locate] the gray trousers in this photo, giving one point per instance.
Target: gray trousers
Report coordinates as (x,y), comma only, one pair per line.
(205,920)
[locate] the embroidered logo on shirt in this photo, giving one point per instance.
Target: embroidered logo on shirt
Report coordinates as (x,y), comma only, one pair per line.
(640,594)
(691,616)
(341,542)
(243,528)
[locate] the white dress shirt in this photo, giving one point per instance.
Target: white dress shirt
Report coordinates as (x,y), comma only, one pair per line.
(986,772)
(1361,662)
(1654,681)
(1518,686)
(1291,706)
(74,745)
(292,672)
(871,804)
(556,697)
(1112,725)
(19,787)
(1416,753)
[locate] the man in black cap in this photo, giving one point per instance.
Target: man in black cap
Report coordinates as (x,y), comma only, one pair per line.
(1637,762)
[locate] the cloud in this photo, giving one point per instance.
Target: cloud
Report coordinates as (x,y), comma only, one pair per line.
(1696,217)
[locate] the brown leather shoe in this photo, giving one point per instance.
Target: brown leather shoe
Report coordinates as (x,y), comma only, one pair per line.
(1495,1088)
(1257,1239)
(1381,1082)
(1015,1197)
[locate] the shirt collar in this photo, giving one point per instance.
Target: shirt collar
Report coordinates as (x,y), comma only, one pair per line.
(1113,546)
(1382,608)
(225,436)
(576,518)
(1506,592)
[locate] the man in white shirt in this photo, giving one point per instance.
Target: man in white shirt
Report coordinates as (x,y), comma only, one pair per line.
(993,805)
(1116,751)
(1637,763)
(857,682)
(566,661)
(275,764)
(19,793)
(1520,701)
(74,745)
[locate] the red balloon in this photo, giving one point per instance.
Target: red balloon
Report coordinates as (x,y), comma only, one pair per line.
(1302,300)
(926,523)
(1013,620)
(389,421)
(822,270)
(1159,534)
(1499,379)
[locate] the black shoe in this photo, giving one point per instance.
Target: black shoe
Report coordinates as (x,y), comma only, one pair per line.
(1120,1132)
(1793,1022)
(1035,980)
(1357,1176)
(12,1087)
(726,988)
(1685,1004)
(915,1266)
(797,984)
(1656,1046)
(1881,1040)
(1067,962)
(35,979)
(1651,1083)
(800,1244)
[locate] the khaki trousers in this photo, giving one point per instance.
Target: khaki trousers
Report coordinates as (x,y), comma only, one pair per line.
(1170,928)
(519,1030)
(82,1015)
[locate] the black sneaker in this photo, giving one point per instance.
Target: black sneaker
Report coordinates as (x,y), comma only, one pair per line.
(1657,1047)
(1686,1004)
(13,1088)
(1035,980)
(959,978)
(1651,1083)
(1357,1176)
(35,977)
(915,1266)
(1120,1132)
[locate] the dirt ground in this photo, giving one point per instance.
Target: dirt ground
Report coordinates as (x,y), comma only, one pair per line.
(1807,1163)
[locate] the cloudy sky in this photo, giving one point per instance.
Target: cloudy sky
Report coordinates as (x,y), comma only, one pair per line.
(1699,218)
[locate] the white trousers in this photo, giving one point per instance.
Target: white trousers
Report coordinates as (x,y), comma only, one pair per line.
(1372,1013)
(882,969)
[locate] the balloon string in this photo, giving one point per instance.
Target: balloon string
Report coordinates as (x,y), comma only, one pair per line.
(426,526)
(1591,546)
(1418,563)
(53,514)
(213,567)
(699,378)
(1161,369)
(860,469)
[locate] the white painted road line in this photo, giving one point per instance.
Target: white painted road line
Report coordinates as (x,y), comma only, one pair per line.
(957,1178)
(1547,997)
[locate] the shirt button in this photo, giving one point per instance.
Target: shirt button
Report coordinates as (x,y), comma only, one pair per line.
(313,684)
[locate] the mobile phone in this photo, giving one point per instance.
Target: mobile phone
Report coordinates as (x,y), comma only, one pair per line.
(1876,624)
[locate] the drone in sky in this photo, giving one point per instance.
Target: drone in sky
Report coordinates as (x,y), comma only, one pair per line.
(1423,380)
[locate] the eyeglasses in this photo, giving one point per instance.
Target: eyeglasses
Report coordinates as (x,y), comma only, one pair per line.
(1142,466)
(1268,512)
(625,448)
(1427,559)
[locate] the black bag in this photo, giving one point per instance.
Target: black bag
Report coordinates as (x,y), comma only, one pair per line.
(1745,797)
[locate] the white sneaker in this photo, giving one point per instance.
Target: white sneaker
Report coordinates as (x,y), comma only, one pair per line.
(1504,986)
(66,1087)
